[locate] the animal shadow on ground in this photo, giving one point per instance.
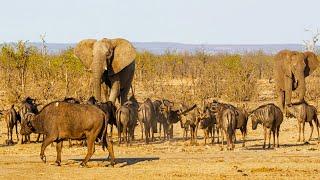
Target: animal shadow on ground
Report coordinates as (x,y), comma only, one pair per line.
(259,146)
(124,161)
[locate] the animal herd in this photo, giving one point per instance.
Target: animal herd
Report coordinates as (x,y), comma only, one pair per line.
(112,62)
(70,119)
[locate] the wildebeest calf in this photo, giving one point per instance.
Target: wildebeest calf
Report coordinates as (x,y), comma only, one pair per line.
(189,120)
(60,121)
(271,117)
(304,113)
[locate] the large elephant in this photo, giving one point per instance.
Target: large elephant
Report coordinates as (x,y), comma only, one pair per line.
(291,68)
(111,61)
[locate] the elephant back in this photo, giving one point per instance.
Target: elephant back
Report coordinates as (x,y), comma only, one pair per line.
(123,54)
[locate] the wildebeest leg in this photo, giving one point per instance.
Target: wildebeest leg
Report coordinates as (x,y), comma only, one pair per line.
(160,131)
(125,133)
(278,129)
(222,138)
(38,138)
(111,130)
(205,136)
(70,143)
(11,129)
(265,137)
(119,133)
(90,145)
(269,137)
(218,130)
(311,126)
(146,132)
(274,137)
(28,137)
(303,125)
(8,132)
(299,126)
(48,140)
(243,138)
(17,132)
(58,148)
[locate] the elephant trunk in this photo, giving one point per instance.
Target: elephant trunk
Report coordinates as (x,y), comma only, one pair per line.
(301,89)
(98,67)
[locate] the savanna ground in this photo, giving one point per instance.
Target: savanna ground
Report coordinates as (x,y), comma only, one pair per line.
(244,80)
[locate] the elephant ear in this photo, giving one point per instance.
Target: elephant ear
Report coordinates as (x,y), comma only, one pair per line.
(311,62)
(123,54)
(83,51)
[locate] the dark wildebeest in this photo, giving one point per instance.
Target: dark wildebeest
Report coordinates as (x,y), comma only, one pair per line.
(126,117)
(60,121)
(189,120)
(271,117)
(107,107)
(12,118)
(240,115)
(227,125)
(28,105)
(207,122)
(160,119)
(147,117)
(304,113)
(171,115)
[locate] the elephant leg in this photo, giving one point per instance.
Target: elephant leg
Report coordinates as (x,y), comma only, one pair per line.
(115,90)
(124,95)
(282,99)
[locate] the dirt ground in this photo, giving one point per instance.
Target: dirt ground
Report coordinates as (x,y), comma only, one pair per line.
(175,159)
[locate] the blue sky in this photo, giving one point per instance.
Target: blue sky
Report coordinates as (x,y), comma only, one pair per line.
(185,21)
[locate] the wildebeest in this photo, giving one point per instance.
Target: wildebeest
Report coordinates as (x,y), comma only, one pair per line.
(189,120)
(28,105)
(107,107)
(207,122)
(12,118)
(159,116)
(271,117)
(171,115)
(126,117)
(147,117)
(304,113)
(227,126)
(60,121)
(240,115)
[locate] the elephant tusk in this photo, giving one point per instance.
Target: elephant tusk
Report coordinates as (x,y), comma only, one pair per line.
(106,68)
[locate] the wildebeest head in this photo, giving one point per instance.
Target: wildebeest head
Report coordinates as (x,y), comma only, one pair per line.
(26,125)
(203,118)
(92,100)
(254,120)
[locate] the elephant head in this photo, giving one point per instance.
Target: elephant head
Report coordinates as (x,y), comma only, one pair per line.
(112,55)
(291,69)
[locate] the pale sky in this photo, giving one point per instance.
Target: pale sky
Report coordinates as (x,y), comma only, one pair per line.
(185,21)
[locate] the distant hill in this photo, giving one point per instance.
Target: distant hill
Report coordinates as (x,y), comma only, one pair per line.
(162,47)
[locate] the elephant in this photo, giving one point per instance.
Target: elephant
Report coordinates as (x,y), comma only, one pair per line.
(112,63)
(290,70)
